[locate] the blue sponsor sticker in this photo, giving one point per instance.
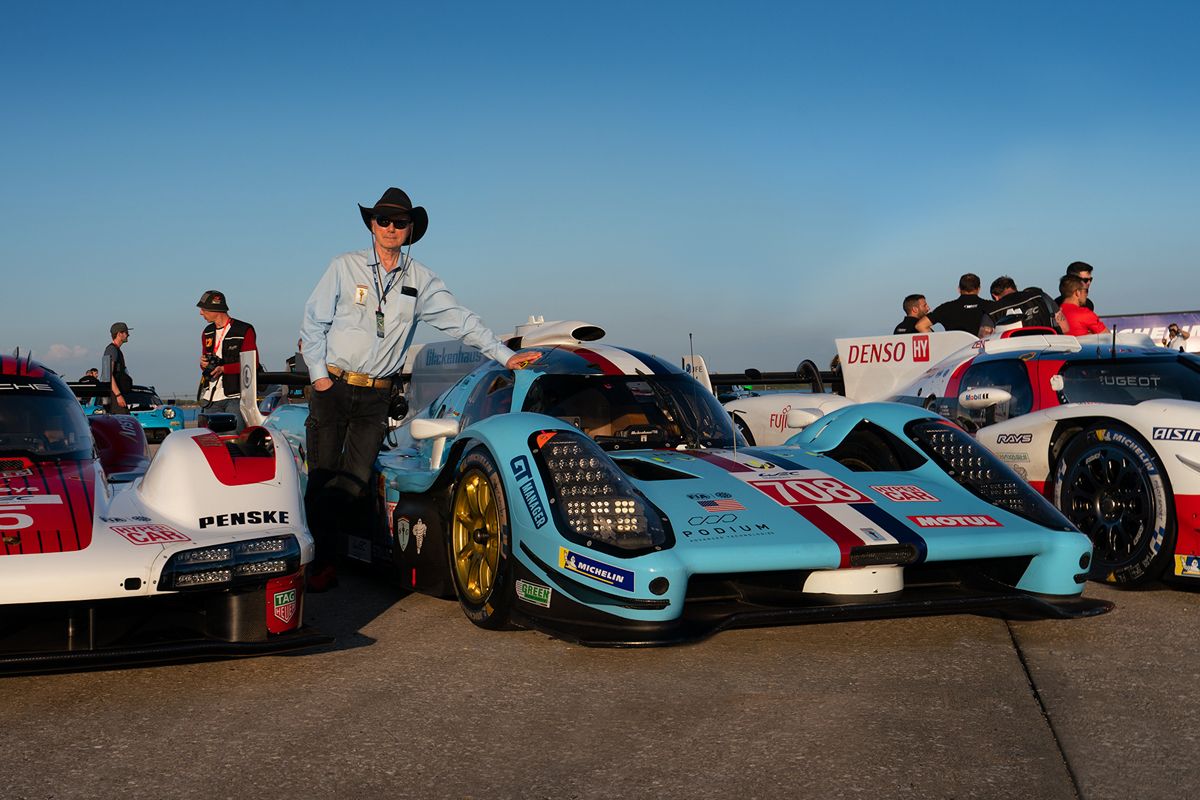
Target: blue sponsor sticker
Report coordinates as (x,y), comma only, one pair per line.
(1177,434)
(529,492)
(596,570)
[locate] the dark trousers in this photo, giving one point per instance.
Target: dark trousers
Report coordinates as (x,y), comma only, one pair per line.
(345,428)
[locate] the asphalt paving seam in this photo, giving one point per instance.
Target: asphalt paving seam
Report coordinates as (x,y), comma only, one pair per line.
(1037,695)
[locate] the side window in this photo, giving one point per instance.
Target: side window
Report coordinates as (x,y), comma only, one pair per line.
(491,396)
(1007,374)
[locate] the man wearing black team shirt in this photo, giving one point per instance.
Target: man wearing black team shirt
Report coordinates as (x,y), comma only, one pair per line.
(960,314)
(915,308)
(1031,307)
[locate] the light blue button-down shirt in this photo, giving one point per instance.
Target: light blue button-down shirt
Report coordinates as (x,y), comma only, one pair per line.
(339,317)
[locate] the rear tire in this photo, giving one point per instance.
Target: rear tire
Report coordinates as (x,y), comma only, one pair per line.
(744,429)
(1112,487)
(480,546)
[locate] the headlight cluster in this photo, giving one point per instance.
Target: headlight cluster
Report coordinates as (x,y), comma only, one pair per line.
(168,413)
(591,497)
(234,564)
(982,473)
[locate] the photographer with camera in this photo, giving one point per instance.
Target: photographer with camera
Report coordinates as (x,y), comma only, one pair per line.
(221,346)
(1176,338)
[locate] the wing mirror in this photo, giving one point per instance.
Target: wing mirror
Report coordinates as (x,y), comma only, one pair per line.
(979,399)
(437,429)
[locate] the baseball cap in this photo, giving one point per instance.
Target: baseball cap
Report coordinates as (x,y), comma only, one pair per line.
(119,327)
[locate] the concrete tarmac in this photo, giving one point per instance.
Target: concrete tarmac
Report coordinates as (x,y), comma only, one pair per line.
(413,701)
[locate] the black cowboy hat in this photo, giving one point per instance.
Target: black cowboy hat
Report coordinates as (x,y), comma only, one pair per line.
(395,203)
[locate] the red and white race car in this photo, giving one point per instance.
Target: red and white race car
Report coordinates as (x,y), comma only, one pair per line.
(1107,427)
(106,558)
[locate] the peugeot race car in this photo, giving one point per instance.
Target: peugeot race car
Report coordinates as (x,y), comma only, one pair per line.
(108,559)
(601,495)
(1107,428)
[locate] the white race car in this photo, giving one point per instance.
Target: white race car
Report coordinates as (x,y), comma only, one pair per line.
(1108,428)
(108,559)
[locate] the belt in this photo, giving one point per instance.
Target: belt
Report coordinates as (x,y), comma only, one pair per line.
(358,378)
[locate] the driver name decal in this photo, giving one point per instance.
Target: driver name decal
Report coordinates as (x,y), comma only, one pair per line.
(529,492)
(150,534)
(596,570)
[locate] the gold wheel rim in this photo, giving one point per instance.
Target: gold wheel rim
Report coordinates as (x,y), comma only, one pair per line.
(475,536)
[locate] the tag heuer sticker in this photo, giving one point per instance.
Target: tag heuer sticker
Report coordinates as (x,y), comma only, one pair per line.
(285,605)
(534,593)
(403,530)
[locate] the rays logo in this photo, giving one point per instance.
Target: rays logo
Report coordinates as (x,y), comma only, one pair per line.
(1014,438)
(529,492)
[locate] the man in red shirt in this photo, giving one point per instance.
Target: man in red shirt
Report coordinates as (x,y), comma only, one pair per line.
(1081,320)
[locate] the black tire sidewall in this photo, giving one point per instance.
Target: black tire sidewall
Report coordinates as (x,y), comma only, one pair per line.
(1155,550)
(494,611)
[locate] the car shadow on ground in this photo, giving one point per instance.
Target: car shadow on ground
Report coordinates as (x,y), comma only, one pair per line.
(363,594)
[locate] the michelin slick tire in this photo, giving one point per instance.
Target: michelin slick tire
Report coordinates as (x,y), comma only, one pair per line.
(480,546)
(1111,485)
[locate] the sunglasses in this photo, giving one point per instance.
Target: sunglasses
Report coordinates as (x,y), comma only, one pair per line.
(1086,280)
(385,222)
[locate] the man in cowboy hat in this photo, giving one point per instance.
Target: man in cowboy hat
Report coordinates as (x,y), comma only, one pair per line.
(358,325)
(221,346)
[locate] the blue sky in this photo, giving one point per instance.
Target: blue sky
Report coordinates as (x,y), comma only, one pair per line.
(766,176)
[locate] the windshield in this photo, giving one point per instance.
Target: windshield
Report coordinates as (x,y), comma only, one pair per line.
(140,399)
(42,426)
(1129,382)
(635,411)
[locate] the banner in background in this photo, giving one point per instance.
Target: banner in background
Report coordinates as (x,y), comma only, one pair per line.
(1155,325)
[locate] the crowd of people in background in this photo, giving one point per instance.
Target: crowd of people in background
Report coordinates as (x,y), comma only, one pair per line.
(1072,312)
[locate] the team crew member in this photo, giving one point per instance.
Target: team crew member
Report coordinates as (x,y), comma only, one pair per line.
(1081,320)
(221,346)
(915,307)
(1031,307)
(93,376)
(960,314)
(358,325)
(1083,271)
(113,372)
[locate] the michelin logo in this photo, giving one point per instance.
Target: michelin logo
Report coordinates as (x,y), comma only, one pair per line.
(596,570)
(1177,434)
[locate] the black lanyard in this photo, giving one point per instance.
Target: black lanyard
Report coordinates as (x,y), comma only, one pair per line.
(381,291)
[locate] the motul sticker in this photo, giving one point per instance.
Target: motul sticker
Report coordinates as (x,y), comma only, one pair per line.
(955,521)
(905,494)
(285,606)
(150,534)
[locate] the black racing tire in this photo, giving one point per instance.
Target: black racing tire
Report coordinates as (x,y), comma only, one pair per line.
(743,429)
(1110,484)
(480,542)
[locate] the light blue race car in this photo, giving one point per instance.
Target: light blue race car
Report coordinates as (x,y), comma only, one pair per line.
(157,418)
(603,496)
